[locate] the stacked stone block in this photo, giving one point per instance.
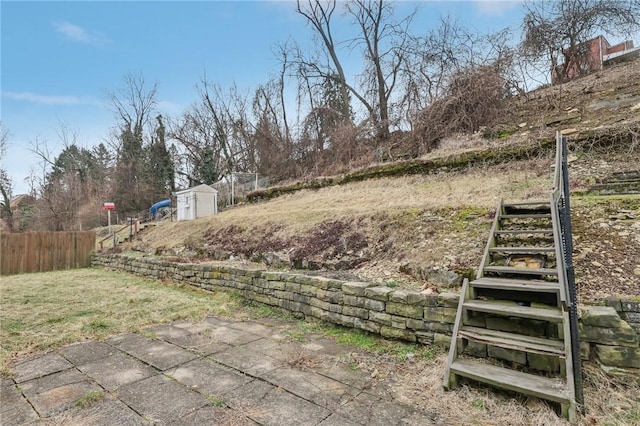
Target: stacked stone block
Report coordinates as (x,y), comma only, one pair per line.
(394,313)
(611,341)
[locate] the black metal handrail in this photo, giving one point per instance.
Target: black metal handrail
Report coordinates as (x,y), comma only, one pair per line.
(559,211)
(561,214)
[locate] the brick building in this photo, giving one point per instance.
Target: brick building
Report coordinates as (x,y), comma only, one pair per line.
(595,54)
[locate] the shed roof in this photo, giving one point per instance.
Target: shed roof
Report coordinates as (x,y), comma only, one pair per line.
(198,188)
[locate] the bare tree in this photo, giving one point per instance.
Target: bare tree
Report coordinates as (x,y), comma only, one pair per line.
(456,81)
(556,31)
(64,183)
(214,135)
(6,213)
(319,14)
(134,102)
(271,134)
(62,199)
(382,41)
(446,50)
(133,105)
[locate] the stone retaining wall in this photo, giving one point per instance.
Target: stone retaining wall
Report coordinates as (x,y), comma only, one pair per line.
(399,314)
(629,311)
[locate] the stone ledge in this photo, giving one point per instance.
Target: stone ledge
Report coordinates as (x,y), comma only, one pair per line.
(618,356)
(600,316)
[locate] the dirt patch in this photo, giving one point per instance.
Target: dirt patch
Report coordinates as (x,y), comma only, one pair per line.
(335,242)
(222,242)
(607,243)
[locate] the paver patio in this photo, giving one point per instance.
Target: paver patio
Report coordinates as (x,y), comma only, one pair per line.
(219,372)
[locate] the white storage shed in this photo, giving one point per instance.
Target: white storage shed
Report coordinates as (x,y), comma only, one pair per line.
(199,201)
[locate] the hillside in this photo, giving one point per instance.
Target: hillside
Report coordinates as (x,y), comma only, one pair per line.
(412,223)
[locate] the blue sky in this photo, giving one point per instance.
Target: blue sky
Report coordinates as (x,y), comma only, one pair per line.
(59,59)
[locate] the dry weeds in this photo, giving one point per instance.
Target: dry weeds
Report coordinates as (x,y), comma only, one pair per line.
(302,359)
(301,211)
(438,220)
(413,375)
(418,382)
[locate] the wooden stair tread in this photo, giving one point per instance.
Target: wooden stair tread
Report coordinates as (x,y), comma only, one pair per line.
(526,208)
(514,341)
(522,271)
(515,284)
(529,384)
(526,216)
(517,204)
(614,184)
(524,231)
(496,307)
(523,249)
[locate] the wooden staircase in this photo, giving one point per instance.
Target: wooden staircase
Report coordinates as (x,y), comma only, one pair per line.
(512,328)
(618,183)
(123,234)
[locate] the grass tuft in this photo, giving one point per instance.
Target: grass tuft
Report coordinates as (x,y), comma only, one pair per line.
(216,401)
(89,398)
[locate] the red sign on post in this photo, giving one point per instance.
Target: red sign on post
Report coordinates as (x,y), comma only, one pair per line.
(109,206)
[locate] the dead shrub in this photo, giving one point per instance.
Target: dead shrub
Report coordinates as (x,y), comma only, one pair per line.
(342,149)
(244,241)
(474,98)
(301,358)
(329,239)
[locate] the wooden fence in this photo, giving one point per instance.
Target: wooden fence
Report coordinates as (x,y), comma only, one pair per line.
(45,251)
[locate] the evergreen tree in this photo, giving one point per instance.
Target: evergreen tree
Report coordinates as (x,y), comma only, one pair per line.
(160,168)
(129,177)
(206,171)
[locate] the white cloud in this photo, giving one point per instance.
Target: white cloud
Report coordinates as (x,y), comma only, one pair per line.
(169,108)
(496,7)
(49,99)
(78,34)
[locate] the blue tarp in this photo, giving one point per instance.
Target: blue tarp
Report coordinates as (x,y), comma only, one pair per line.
(160,204)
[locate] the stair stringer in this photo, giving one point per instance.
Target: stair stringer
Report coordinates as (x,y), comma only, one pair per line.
(450,380)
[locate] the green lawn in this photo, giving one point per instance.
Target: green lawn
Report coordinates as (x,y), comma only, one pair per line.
(47,310)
